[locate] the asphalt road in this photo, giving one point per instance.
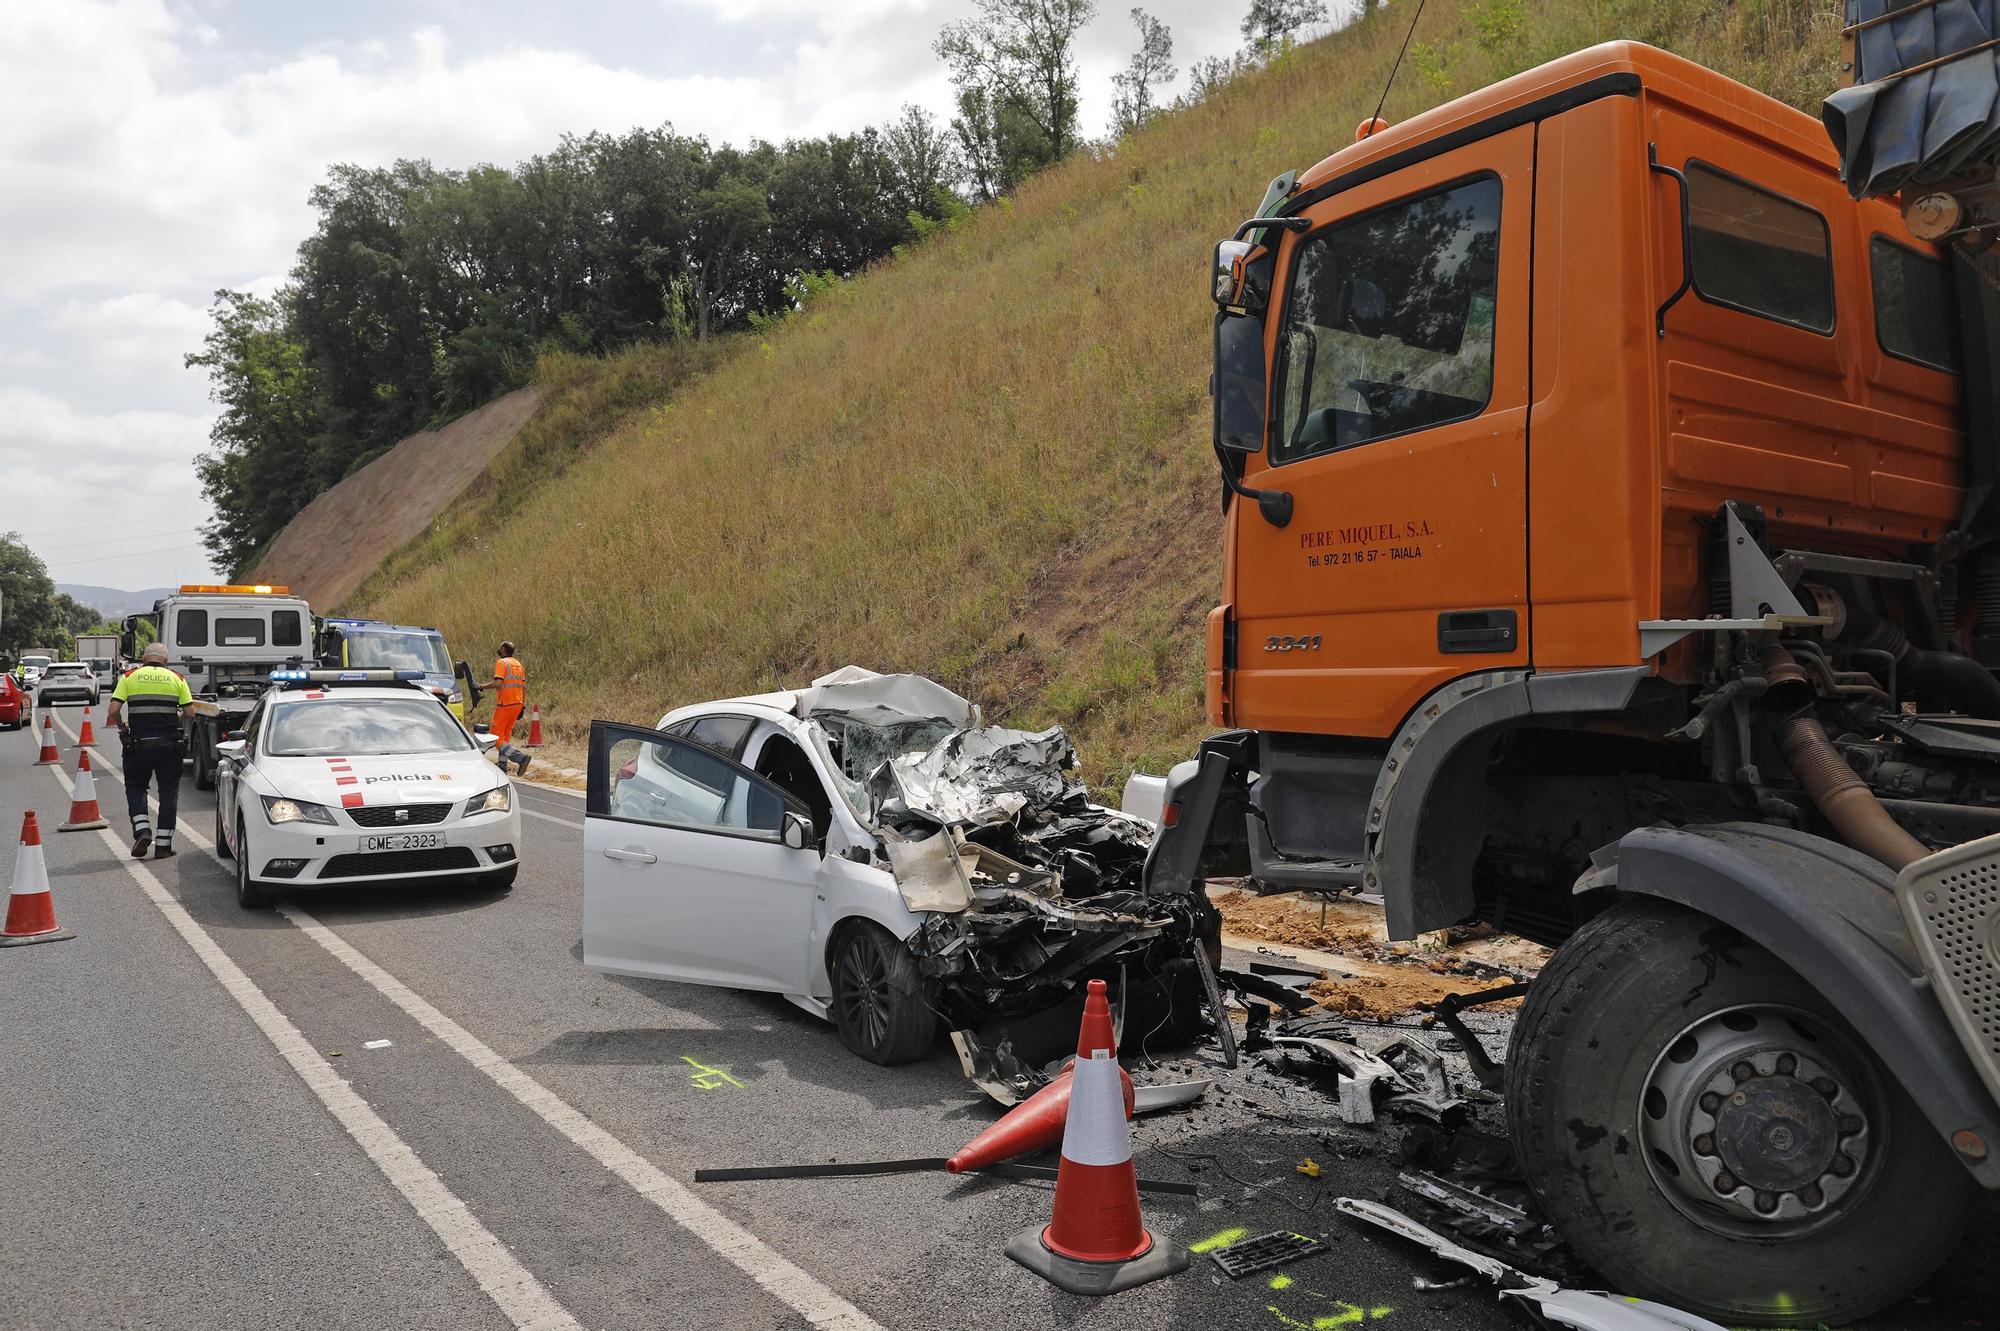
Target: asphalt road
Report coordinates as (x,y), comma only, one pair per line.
(198,1135)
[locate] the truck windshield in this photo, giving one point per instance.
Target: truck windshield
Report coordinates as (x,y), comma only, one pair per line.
(1389,323)
(360,727)
(397,650)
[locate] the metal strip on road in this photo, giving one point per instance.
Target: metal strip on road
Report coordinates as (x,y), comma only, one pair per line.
(776,1274)
(514,1290)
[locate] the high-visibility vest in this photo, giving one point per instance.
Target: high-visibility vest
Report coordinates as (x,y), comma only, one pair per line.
(513,689)
(152,697)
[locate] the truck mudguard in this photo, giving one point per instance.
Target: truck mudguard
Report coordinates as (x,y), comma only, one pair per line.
(1829,913)
(1426,820)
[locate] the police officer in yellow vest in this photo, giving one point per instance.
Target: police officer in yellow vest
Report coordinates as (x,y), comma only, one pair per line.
(146,710)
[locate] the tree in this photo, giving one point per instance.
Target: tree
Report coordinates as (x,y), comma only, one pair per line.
(1132,101)
(923,158)
(261,469)
(28,611)
(1270,24)
(1015,69)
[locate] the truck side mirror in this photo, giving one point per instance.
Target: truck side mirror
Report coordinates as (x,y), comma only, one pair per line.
(1239,385)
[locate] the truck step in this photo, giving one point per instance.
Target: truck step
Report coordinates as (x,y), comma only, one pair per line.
(1311,875)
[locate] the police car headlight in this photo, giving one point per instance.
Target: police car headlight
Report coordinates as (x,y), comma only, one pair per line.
(281,811)
(498,800)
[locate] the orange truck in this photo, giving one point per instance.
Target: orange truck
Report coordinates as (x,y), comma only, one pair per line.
(1611,555)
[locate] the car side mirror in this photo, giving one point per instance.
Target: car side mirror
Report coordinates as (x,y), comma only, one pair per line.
(796,830)
(486,740)
(232,748)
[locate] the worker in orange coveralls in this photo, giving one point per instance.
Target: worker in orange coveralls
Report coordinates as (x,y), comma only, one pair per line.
(510,696)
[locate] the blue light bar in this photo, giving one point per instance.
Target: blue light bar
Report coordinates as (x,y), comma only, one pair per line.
(376,676)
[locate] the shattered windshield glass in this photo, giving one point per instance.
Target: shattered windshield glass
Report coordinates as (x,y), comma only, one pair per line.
(855,748)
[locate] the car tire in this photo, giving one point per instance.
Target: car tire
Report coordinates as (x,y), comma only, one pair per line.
(222,851)
(1823,1196)
(881,1006)
(250,894)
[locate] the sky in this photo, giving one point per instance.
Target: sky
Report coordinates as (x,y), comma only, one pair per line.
(154,151)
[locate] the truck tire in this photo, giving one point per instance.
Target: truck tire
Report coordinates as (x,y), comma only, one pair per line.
(1704,1130)
(204,762)
(880,1005)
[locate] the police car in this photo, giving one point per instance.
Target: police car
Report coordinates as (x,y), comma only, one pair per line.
(347,776)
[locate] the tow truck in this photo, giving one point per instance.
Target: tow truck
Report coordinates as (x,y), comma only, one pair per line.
(1612,553)
(225,639)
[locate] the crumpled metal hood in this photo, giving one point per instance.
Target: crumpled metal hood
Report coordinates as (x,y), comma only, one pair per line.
(878,699)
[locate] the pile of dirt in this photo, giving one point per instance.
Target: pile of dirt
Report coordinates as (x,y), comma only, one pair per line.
(340,538)
(1364,974)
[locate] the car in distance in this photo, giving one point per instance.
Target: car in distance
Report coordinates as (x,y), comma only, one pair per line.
(349,776)
(14,703)
(30,668)
(67,681)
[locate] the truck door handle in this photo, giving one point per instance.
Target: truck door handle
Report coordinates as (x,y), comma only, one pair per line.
(635,856)
(1478,631)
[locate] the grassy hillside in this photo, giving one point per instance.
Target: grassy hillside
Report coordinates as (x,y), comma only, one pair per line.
(988,459)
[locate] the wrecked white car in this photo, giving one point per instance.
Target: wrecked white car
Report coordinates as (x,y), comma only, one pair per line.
(870,850)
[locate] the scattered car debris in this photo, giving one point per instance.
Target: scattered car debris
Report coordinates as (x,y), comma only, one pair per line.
(1585,1309)
(1261,1252)
(1402,1071)
(915,1165)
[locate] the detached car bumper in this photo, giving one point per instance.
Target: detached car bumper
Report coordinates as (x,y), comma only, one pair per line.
(459,847)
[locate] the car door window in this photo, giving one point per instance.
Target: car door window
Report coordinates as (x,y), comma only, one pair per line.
(648,777)
(1389,323)
(724,734)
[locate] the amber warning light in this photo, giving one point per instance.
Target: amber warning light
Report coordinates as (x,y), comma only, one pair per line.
(236,589)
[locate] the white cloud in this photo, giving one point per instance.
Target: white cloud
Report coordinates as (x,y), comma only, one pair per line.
(151,154)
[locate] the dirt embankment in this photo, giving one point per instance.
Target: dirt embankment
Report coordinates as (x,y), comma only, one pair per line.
(1364,974)
(338,539)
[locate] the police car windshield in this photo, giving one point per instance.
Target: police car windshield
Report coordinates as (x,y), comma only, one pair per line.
(362,727)
(377,648)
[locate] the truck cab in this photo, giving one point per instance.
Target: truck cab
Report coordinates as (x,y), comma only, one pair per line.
(225,639)
(1607,556)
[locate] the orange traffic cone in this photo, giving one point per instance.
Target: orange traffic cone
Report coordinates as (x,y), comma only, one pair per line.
(83,812)
(535,727)
(49,758)
(31,913)
(86,737)
(1096,1242)
(1035,1123)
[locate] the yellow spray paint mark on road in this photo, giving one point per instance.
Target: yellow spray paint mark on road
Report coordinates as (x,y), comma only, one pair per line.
(1281,1282)
(1345,1314)
(1221,1239)
(706,1078)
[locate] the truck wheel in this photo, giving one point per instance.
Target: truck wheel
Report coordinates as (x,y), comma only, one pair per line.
(879,1004)
(204,766)
(250,894)
(1705,1130)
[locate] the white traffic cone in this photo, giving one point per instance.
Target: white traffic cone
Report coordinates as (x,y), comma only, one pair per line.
(83,812)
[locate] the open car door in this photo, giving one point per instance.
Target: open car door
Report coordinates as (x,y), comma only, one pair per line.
(687,870)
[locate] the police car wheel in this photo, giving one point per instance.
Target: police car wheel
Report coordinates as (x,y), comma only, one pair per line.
(222,850)
(250,894)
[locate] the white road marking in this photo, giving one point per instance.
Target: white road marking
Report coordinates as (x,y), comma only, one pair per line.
(551,818)
(749,1254)
(514,1290)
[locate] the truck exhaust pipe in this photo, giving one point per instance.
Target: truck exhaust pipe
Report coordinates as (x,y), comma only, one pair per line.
(1843,798)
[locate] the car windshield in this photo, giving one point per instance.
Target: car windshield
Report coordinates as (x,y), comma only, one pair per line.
(65,671)
(397,650)
(362,727)
(855,748)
